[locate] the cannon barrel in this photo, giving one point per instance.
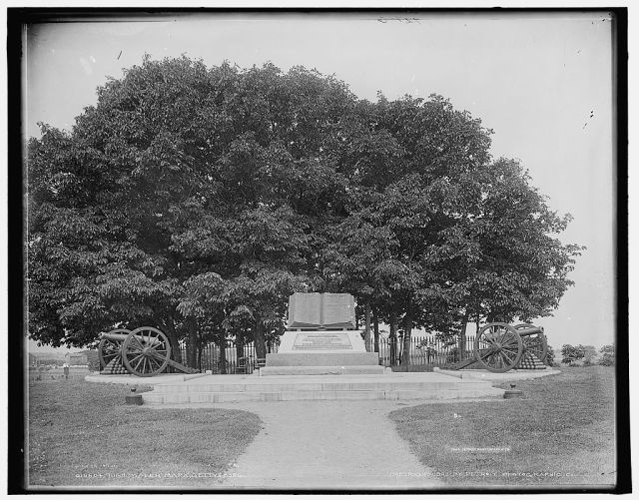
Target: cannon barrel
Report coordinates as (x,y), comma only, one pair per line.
(532,330)
(121,337)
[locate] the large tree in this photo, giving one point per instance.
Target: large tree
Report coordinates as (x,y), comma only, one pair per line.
(197,199)
(179,171)
(463,237)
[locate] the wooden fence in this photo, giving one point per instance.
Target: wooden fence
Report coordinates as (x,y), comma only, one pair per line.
(426,350)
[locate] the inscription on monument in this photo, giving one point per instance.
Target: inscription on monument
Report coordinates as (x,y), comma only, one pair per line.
(322,340)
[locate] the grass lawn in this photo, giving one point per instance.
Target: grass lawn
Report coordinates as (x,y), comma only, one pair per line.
(83,434)
(561,432)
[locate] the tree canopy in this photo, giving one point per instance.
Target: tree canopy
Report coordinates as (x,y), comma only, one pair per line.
(197,199)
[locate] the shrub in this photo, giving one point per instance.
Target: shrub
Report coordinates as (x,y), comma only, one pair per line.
(607,355)
(93,361)
(590,354)
(571,354)
(452,356)
(550,357)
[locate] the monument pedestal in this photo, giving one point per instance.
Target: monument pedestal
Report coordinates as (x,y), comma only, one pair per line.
(322,352)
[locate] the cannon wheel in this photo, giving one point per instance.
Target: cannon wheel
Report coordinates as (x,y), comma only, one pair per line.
(110,348)
(535,343)
(498,347)
(146,351)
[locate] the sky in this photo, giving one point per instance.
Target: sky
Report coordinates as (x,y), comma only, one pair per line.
(542,82)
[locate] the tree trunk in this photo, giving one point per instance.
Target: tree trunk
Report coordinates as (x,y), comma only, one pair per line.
(222,361)
(169,329)
(367,327)
(408,327)
(393,339)
(260,342)
(239,348)
(376,330)
(192,345)
(462,337)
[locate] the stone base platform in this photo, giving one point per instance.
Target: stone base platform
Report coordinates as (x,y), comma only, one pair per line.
(161,378)
(268,371)
(322,359)
(389,386)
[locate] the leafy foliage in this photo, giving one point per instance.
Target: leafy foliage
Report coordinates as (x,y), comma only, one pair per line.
(571,354)
(197,199)
(550,357)
(607,355)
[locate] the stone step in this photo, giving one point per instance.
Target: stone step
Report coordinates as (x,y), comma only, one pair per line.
(228,388)
(319,386)
(299,395)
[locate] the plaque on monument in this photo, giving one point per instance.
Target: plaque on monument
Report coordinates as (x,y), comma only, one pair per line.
(322,341)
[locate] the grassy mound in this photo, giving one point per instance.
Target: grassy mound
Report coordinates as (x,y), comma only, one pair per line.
(83,434)
(560,433)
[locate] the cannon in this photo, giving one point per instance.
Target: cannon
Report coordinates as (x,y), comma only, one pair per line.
(144,352)
(500,347)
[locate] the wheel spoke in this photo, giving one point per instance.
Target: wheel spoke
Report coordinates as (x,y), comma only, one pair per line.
(486,353)
(489,339)
(502,358)
(154,363)
(156,354)
(133,359)
(138,364)
(159,363)
(494,361)
(507,359)
(505,354)
(488,357)
(508,349)
(505,335)
(137,341)
(511,341)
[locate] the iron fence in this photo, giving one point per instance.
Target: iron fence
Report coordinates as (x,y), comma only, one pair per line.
(210,357)
(425,350)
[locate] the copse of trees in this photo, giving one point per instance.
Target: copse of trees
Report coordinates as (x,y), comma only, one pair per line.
(197,199)
(587,355)
(572,354)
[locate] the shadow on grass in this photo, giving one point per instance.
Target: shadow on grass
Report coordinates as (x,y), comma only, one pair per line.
(83,434)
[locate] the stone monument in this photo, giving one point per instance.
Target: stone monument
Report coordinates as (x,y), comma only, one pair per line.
(321,339)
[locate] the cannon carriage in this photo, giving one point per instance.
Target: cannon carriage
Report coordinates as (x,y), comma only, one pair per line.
(144,352)
(500,347)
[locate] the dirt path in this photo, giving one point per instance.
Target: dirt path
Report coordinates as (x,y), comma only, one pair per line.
(326,445)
